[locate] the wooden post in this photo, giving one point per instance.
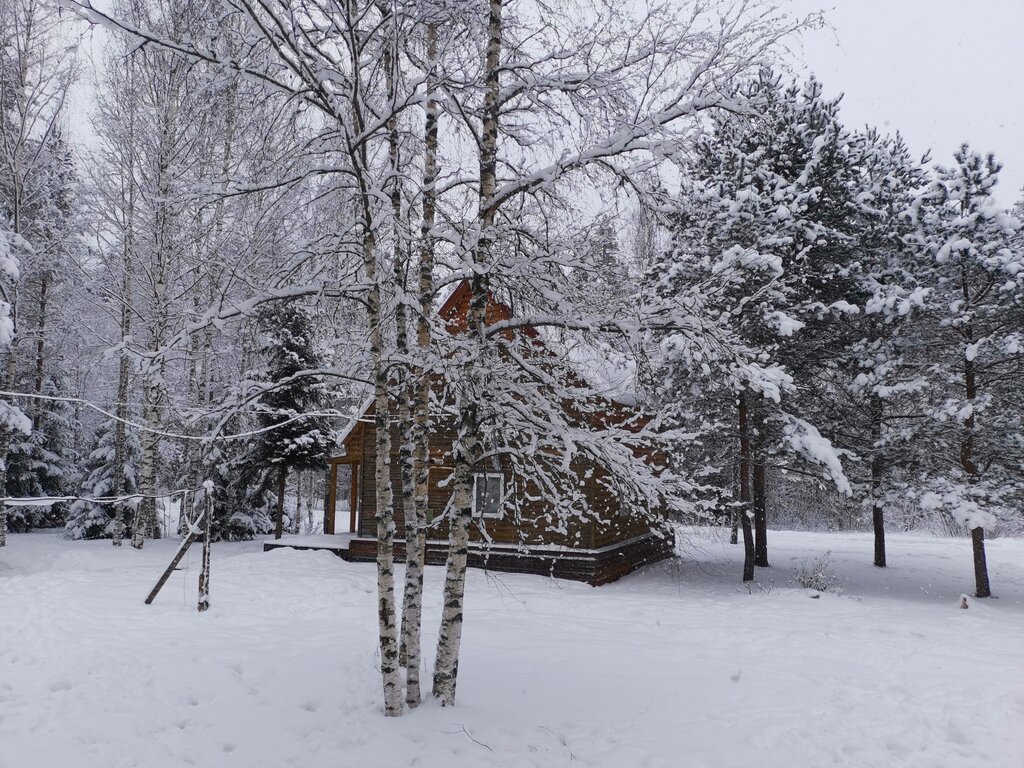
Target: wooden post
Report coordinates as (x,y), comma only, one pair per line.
(204,573)
(353,498)
(330,503)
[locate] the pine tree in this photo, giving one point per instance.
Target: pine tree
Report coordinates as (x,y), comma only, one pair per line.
(762,232)
(973,349)
(880,401)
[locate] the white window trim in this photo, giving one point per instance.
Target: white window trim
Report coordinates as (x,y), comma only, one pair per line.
(501,499)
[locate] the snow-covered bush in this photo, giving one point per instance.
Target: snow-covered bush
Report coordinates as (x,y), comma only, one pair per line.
(819,575)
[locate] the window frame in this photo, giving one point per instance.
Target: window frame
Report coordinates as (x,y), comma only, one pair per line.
(498,514)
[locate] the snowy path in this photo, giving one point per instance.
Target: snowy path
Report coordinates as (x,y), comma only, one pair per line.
(675,666)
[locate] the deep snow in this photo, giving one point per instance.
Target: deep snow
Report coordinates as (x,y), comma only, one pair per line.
(677,666)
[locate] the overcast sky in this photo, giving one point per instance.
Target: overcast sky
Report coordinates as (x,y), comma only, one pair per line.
(940,71)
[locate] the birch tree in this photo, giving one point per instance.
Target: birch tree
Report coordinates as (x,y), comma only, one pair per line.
(535,75)
(625,90)
(35,74)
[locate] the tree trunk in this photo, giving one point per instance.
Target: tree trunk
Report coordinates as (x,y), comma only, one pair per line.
(282,482)
(5,445)
(297,520)
(877,466)
(40,361)
(120,438)
(160,274)
(760,516)
(748,537)
(145,513)
(366,199)
(123,371)
(415,468)
(981,583)
(386,619)
(449,641)
(204,572)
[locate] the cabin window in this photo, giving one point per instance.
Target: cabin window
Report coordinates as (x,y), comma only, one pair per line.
(487,494)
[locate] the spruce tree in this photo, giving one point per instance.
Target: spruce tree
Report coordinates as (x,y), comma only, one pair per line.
(43,463)
(292,440)
(88,519)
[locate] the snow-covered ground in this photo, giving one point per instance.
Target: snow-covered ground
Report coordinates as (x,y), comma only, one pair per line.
(676,666)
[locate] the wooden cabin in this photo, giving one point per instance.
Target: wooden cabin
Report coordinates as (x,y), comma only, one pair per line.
(509,532)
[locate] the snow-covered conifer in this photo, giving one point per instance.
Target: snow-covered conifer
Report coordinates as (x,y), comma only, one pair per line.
(761,242)
(90,519)
(297,435)
(974,357)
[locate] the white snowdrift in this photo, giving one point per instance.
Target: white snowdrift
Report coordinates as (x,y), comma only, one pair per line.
(675,666)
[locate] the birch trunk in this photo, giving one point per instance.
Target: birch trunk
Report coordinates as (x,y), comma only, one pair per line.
(366,196)
(120,437)
(145,515)
(152,390)
(121,408)
(125,299)
(426,297)
(387,623)
(386,619)
(449,641)
(415,403)
(204,572)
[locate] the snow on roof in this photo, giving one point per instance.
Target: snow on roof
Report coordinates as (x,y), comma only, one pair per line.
(610,372)
(344,434)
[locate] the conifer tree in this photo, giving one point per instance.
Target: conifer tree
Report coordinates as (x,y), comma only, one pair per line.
(293,440)
(762,230)
(972,350)
(880,401)
(88,519)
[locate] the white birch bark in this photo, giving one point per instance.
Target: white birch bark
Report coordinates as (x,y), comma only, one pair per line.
(152,390)
(121,407)
(204,572)
(449,641)
(415,486)
(365,200)
(386,614)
